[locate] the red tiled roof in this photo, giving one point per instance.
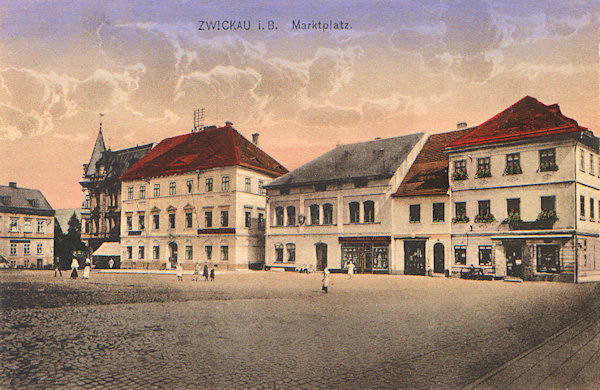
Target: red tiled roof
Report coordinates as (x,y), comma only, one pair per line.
(210,148)
(429,173)
(526,119)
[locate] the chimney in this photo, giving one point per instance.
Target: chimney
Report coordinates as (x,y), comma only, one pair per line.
(461,125)
(12,184)
(255,138)
(228,123)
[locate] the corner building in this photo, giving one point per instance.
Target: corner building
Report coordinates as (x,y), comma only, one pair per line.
(336,208)
(197,197)
(525,196)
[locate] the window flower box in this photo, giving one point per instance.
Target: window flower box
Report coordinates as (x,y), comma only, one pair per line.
(547,214)
(460,175)
(548,167)
(462,218)
(513,170)
(483,172)
(485,218)
(532,225)
(514,216)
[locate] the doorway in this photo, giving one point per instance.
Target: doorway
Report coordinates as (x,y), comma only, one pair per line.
(321,256)
(414,257)
(438,258)
(173,254)
(514,260)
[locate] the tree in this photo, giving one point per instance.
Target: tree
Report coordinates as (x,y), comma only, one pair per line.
(65,245)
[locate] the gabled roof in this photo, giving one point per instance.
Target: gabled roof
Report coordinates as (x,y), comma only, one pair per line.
(99,148)
(365,160)
(526,119)
(119,161)
(429,173)
(206,149)
(24,201)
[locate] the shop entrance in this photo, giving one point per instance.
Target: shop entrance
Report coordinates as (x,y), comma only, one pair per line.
(173,254)
(514,260)
(414,257)
(438,258)
(321,256)
(367,257)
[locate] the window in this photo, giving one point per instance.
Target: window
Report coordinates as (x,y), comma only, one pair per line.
(172,188)
(188,220)
(129,192)
(224,218)
(130,252)
(439,212)
(414,214)
(141,221)
(142,192)
(26,263)
(581,160)
(513,164)
(279,216)
(141,252)
(189,252)
(172,221)
(484,207)
(247,185)
(129,223)
(14,225)
(327,214)
(156,190)
(156,252)
(320,187)
(581,206)
(247,219)
(548,203)
(5,200)
(40,249)
(279,253)
(460,170)
(208,219)
(261,220)
(460,254)
(314,214)
(485,255)
(591,164)
(13,248)
(225,183)
(354,212)
(208,251)
(513,209)
(156,221)
(369,211)
(208,184)
(483,167)
(27,228)
(592,204)
(40,226)
(261,185)
(291,215)
(26,248)
(548,258)
(291,252)
(190,186)
(224,252)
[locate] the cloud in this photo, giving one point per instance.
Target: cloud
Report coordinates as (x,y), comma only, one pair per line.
(329,116)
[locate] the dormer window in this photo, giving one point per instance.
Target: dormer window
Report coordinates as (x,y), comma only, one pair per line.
(33,203)
(5,200)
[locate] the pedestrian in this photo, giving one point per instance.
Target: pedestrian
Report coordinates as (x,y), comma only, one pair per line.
(87,268)
(196,272)
(57,267)
(179,272)
(205,272)
(351,267)
(74,266)
(111,263)
(326,277)
(212,273)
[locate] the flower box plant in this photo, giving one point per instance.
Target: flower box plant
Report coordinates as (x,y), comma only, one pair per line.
(514,216)
(549,166)
(485,218)
(461,218)
(460,174)
(513,170)
(483,172)
(547,214)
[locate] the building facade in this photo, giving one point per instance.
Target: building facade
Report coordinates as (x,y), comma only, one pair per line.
(524,192)
(26,227)
(336,209)
(194,198)
(101,208)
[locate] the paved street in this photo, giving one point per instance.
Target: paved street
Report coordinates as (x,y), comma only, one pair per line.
(276,330)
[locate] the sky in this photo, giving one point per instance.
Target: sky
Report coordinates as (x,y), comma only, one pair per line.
(399,67)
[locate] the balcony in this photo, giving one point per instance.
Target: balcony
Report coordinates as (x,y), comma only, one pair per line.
(542,224)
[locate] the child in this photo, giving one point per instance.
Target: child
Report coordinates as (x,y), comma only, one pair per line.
(196,272)
(212,273)
(179,272)
(351,267)
(325,280)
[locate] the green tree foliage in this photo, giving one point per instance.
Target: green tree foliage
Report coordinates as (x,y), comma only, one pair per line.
(66,245)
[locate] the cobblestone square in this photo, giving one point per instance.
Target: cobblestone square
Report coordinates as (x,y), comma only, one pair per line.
(271,330)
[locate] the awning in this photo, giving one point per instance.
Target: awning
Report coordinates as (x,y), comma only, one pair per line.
(529,236)
(108,249)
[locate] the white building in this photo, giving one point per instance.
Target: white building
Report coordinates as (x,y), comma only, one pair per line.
(194,198)
(26,227)
(337,208)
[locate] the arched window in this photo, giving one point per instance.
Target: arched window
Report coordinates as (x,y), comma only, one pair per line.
(369,209)
(354,212)
(291,215)
(291,250)
(327,214)
(314,214)
(279,216)
(279,252)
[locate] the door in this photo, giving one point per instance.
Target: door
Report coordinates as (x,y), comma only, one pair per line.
(40,263)
(321,256)
(414,257)
(438,258)
(514,258)
(173,254)
(367,257)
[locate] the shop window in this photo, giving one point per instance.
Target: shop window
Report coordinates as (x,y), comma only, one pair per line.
(291,252)
(485,255)
(208,219)
(460,254)
(314,214)
(548,258)
(414,213)
(279,216)
(354,212)
(279,253)
(291,215)
(380,258)
(439,212)
(369,211)
(327,214)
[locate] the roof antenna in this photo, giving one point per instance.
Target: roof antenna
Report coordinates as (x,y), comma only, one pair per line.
(198,117)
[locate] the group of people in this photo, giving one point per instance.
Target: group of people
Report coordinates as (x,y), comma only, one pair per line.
(207,272)
(74,268)
(326,280)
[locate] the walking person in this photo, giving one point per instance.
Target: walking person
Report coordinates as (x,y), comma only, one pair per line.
(57,267)
(351,267)
(205,272)
(179,272)
(111,263)
(87,268)
(196,272)
(74,266)
(212,273)
(326,277)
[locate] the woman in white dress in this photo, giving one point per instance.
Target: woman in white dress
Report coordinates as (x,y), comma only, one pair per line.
(87,269)
(74,266)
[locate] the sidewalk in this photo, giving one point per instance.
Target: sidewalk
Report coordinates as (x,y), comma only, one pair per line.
(570,359)
(162,271)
